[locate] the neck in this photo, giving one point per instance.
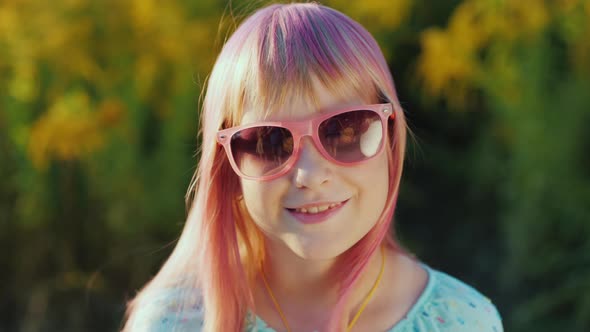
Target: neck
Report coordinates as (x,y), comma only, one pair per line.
(304,289)
(295,277)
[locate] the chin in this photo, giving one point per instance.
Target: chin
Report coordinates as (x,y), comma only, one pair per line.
(316,249)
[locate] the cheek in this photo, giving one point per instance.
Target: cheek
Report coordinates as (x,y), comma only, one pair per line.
(262,200)
(374,183)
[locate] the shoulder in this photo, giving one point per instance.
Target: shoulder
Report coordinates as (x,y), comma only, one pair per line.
(167,310)
(448,304)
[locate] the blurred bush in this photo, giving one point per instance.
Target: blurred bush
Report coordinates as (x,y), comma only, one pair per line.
(527,63)
(98,140)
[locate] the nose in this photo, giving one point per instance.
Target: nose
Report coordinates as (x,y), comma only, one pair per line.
(311,169)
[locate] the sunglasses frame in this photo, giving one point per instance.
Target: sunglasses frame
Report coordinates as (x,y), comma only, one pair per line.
(301,128)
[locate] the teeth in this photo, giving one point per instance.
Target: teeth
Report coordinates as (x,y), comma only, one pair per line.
(317,209)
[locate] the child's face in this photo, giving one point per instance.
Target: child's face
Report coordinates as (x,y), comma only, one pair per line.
(314,180)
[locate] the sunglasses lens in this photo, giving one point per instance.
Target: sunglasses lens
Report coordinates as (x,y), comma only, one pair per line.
(348,138)
(261,151)
(352,136)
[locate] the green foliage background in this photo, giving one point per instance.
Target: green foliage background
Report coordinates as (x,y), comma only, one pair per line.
(99,109)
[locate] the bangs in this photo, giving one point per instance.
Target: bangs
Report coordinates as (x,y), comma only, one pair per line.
(294,45)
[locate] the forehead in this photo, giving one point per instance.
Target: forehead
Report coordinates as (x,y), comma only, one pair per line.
(298,108)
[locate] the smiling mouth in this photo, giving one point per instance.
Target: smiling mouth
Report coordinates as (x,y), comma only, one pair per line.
(317,208)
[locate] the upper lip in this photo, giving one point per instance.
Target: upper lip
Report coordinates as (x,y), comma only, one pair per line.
(315,204)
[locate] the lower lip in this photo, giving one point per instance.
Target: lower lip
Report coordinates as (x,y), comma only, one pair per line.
(316,218)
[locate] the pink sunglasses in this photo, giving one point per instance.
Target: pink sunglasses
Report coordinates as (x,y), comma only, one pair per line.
(266,150)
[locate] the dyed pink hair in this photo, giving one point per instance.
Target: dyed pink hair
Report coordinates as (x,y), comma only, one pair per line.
(268,61)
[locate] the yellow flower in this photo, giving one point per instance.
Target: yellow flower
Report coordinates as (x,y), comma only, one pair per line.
(451,62)
(8,21)
(529,16)
(67,131)
(146,71)
(379,14)
(24,83)
(143,13)
(444,66)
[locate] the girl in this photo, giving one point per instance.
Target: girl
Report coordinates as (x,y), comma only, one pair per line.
(290,209)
